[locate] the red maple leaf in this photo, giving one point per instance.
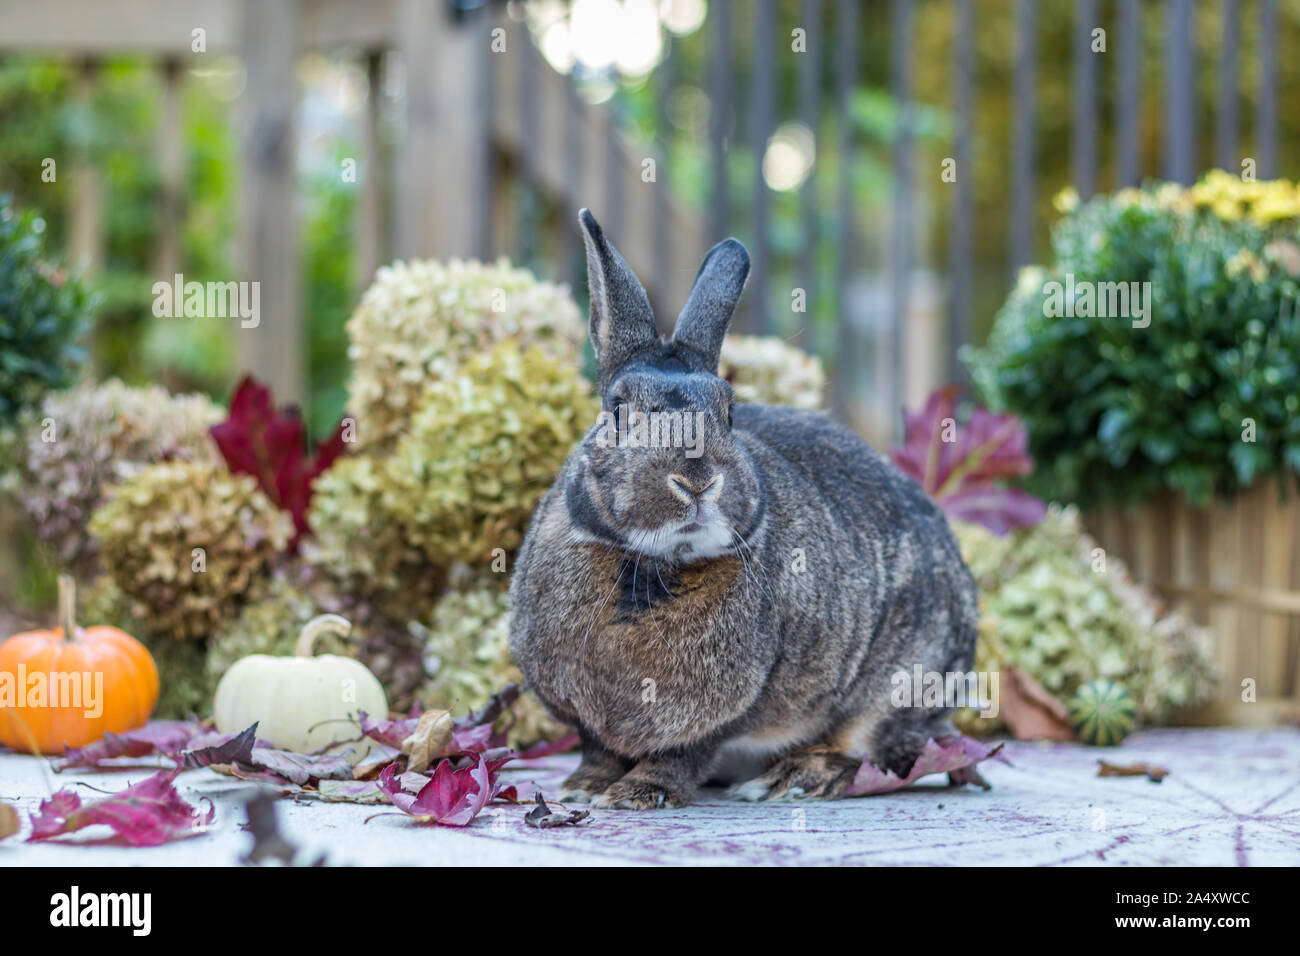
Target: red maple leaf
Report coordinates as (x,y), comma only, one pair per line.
(149,813)
(271,445)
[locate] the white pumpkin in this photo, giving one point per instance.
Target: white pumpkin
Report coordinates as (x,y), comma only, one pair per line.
(301,703)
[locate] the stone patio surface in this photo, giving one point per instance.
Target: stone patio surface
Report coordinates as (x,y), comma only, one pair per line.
(1232,798)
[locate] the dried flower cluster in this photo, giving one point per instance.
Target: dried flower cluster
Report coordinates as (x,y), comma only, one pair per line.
(1048,609)
(420,320)
(769,371)
(483,448)
(82,440)
(361,544)
(186,540)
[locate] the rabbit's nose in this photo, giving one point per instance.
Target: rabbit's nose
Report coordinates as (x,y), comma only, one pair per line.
(682,488)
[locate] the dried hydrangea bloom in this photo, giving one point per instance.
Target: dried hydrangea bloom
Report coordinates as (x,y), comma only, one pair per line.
(1045,608)
(483,448)
(467,650)
(420,320)
(769,371)
(82,440)
(362,545)
(186,541)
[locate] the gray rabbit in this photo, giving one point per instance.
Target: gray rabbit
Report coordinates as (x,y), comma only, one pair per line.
(746,602)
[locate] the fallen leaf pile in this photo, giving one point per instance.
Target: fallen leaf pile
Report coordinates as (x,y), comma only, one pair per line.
(465,754)
(454,794)
(431,766)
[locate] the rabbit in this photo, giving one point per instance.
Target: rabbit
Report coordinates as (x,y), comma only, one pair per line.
(748,605)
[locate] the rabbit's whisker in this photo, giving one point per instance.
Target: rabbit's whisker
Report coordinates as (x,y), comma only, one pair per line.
(751,563)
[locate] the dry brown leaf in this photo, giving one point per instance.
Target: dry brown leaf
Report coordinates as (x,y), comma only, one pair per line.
(9,824)
(1154,773)
(430,737)
(1030,711)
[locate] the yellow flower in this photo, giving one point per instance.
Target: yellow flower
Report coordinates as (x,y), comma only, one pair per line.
(1245,261)
(1173,197)
(1066,201)
(1231,198)
(1226,209)
(1128,196)
(1275,207)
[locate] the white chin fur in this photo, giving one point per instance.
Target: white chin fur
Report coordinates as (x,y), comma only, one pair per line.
(709,540)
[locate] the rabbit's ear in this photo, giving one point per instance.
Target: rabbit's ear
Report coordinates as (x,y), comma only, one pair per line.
(703,321)
(622,322)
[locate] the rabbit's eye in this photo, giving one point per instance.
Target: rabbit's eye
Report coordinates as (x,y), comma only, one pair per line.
(616,406)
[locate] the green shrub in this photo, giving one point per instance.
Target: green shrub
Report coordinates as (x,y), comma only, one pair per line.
(42,314)
(1117,412)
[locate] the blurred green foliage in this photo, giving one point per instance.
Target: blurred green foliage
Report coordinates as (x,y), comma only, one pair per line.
(115,132)
(43,313)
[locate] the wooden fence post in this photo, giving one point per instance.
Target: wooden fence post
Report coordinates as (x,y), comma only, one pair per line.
(274,349)
(370,199)
(1022,150)
(86,231)
(442,170)
(171,163)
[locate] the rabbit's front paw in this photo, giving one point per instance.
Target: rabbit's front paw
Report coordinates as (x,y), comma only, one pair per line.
(803,775)
(632,793)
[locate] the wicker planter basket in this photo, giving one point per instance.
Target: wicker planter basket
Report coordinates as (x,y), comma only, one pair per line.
(1234,568)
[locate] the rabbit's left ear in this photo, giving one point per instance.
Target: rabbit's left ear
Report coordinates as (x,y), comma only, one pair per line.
(704,319)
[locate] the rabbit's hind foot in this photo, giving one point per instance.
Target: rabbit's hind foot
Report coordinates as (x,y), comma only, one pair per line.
(812,774)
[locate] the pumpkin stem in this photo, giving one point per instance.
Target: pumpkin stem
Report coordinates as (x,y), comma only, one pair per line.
(68,606)
(321,624)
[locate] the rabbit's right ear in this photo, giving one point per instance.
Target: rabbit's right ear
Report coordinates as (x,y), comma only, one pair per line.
(622,322)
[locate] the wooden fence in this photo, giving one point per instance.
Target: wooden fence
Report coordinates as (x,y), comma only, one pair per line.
(499,151)
(475,124)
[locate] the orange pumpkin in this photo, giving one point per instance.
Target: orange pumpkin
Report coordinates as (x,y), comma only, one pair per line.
(58,692)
